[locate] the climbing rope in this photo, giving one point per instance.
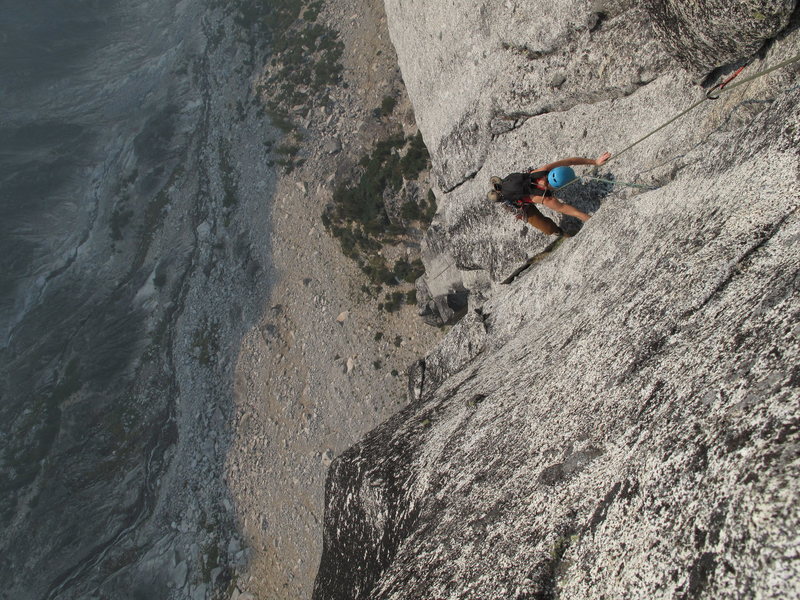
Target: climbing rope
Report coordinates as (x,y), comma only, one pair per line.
(713,94)
(720,86)
(718,89)
(617,182)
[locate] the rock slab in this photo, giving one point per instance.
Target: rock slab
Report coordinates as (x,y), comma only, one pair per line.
(621,420)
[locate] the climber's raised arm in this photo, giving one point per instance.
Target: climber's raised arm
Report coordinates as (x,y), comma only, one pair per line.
(575,161)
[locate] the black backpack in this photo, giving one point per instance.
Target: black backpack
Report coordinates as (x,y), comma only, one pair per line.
(517,186)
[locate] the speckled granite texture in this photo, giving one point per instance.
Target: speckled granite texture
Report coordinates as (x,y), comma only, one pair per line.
(621,420)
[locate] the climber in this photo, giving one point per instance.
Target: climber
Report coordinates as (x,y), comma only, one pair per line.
(520,191)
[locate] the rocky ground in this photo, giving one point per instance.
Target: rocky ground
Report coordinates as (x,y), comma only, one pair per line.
(259,357)
(323,365)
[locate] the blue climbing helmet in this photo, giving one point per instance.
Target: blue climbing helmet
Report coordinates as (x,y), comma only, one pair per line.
(560,176)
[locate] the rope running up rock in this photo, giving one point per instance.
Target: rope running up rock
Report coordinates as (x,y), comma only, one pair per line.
(718,89)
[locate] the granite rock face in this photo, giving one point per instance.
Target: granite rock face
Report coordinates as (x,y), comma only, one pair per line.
(594,75)
(621,420)
(704,35)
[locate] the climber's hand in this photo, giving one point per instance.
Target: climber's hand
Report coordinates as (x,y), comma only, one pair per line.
(602,159)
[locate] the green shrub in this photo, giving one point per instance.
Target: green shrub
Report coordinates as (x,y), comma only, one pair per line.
(304,53)
(392,303)
(357,215)
(288,149)
(416,159)
(205,342)
(377,271)
(430,211)
(402,269)
(310,15)
(411,211)
(387,105)
(408,271)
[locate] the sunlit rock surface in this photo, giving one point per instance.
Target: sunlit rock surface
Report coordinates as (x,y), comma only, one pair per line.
(621,420)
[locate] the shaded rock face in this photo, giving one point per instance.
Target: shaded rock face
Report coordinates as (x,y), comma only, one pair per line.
(704,35)
(620,421)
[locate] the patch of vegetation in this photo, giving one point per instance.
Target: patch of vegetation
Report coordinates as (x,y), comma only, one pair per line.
(232,584)
(375,268)
(377,364)
(287,154)
(304,56)
(392,302)
(416,158)
(210,560)
(421,211)
(411,211)
(154,215)
(154,211)
(430,210)
(363,202)
(304,64)
(157,338)
(475,401)
(121,216)
(287,149)
(280,120)
(358,217)
(229,184)
(408,271)
(387,105)
(370,291)
(561,545)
